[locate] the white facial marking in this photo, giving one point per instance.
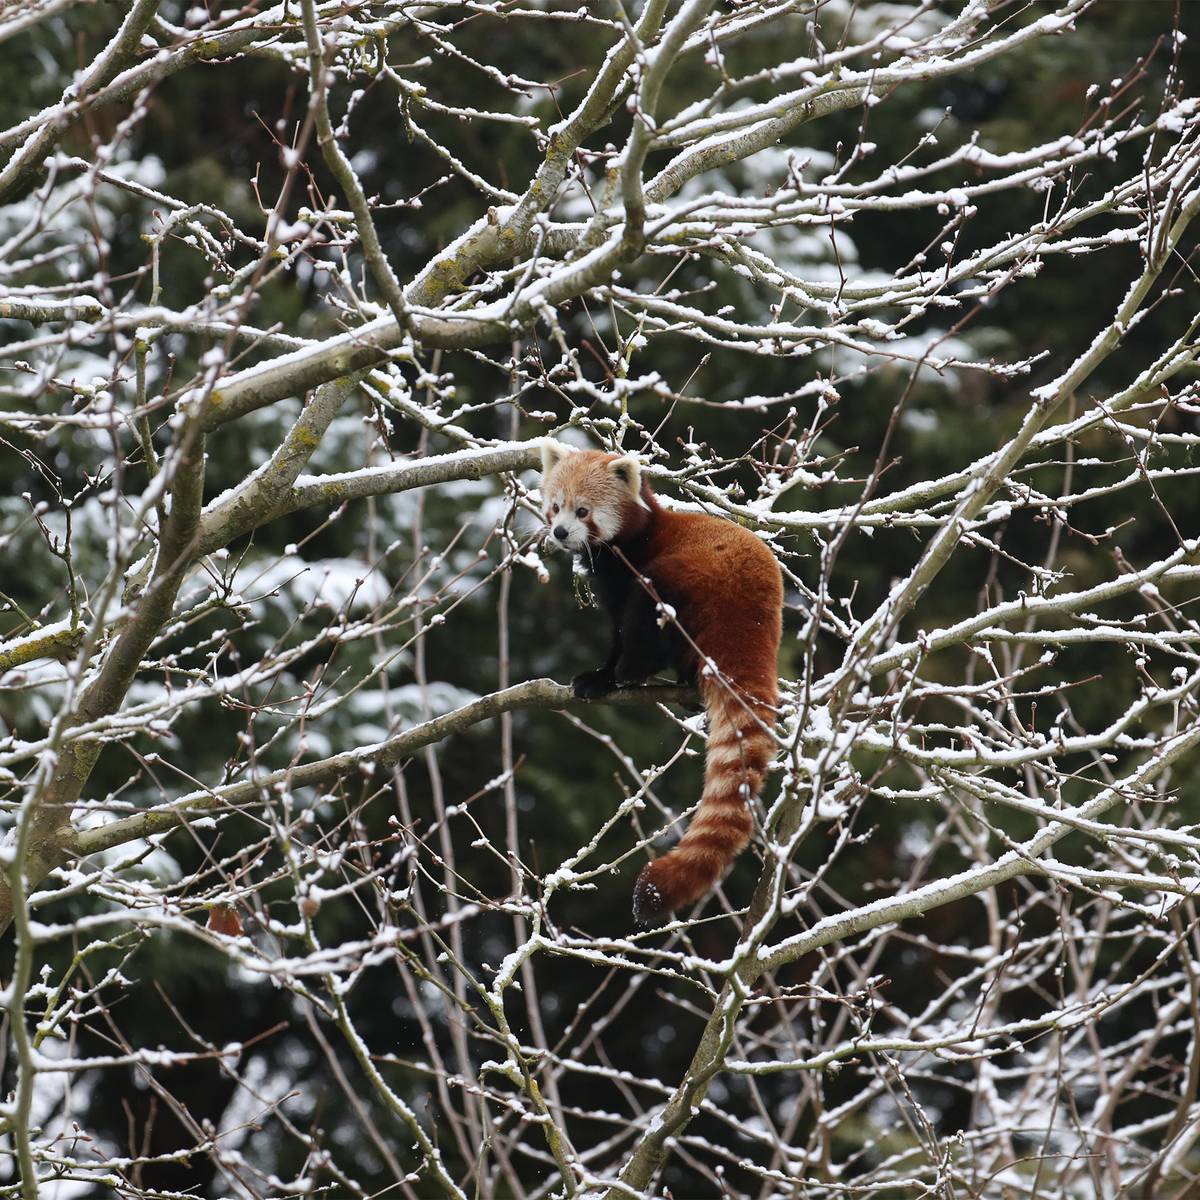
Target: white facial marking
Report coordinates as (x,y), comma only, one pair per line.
(607,522)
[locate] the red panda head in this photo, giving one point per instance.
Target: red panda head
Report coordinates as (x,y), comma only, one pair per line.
(589,496)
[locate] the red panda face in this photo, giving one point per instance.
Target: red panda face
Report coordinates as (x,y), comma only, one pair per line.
(586,495)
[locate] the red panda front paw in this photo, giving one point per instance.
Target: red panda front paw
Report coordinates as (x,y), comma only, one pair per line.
(592,684)
(630,674)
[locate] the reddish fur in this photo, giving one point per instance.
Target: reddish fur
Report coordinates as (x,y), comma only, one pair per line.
(727,592)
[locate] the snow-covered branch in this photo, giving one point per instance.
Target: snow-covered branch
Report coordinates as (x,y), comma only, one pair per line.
(289,296)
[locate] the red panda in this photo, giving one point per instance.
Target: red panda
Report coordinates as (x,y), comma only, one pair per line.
(682,590)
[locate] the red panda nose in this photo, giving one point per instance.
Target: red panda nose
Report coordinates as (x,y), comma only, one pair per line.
(560,532)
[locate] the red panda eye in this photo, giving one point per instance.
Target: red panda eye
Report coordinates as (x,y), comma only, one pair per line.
(554,509)
(581,513)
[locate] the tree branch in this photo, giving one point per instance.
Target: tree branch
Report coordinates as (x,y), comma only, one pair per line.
(535,693)
(59,641)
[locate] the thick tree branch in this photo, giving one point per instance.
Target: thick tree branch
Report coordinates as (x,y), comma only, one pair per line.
(536,693)
(46,133)
(59,640)
(265,493)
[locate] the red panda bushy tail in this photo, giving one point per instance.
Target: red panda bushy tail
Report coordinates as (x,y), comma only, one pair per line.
(740,746)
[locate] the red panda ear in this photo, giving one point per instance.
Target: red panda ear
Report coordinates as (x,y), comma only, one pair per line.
(629,472)
(552,454)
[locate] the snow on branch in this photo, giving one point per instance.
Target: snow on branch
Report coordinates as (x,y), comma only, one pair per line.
(289,296)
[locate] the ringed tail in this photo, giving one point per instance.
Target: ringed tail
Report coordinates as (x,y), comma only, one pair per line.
(740,747)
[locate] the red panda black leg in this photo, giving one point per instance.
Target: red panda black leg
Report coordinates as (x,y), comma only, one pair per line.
(592,684)
(646,647)
(640,648)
